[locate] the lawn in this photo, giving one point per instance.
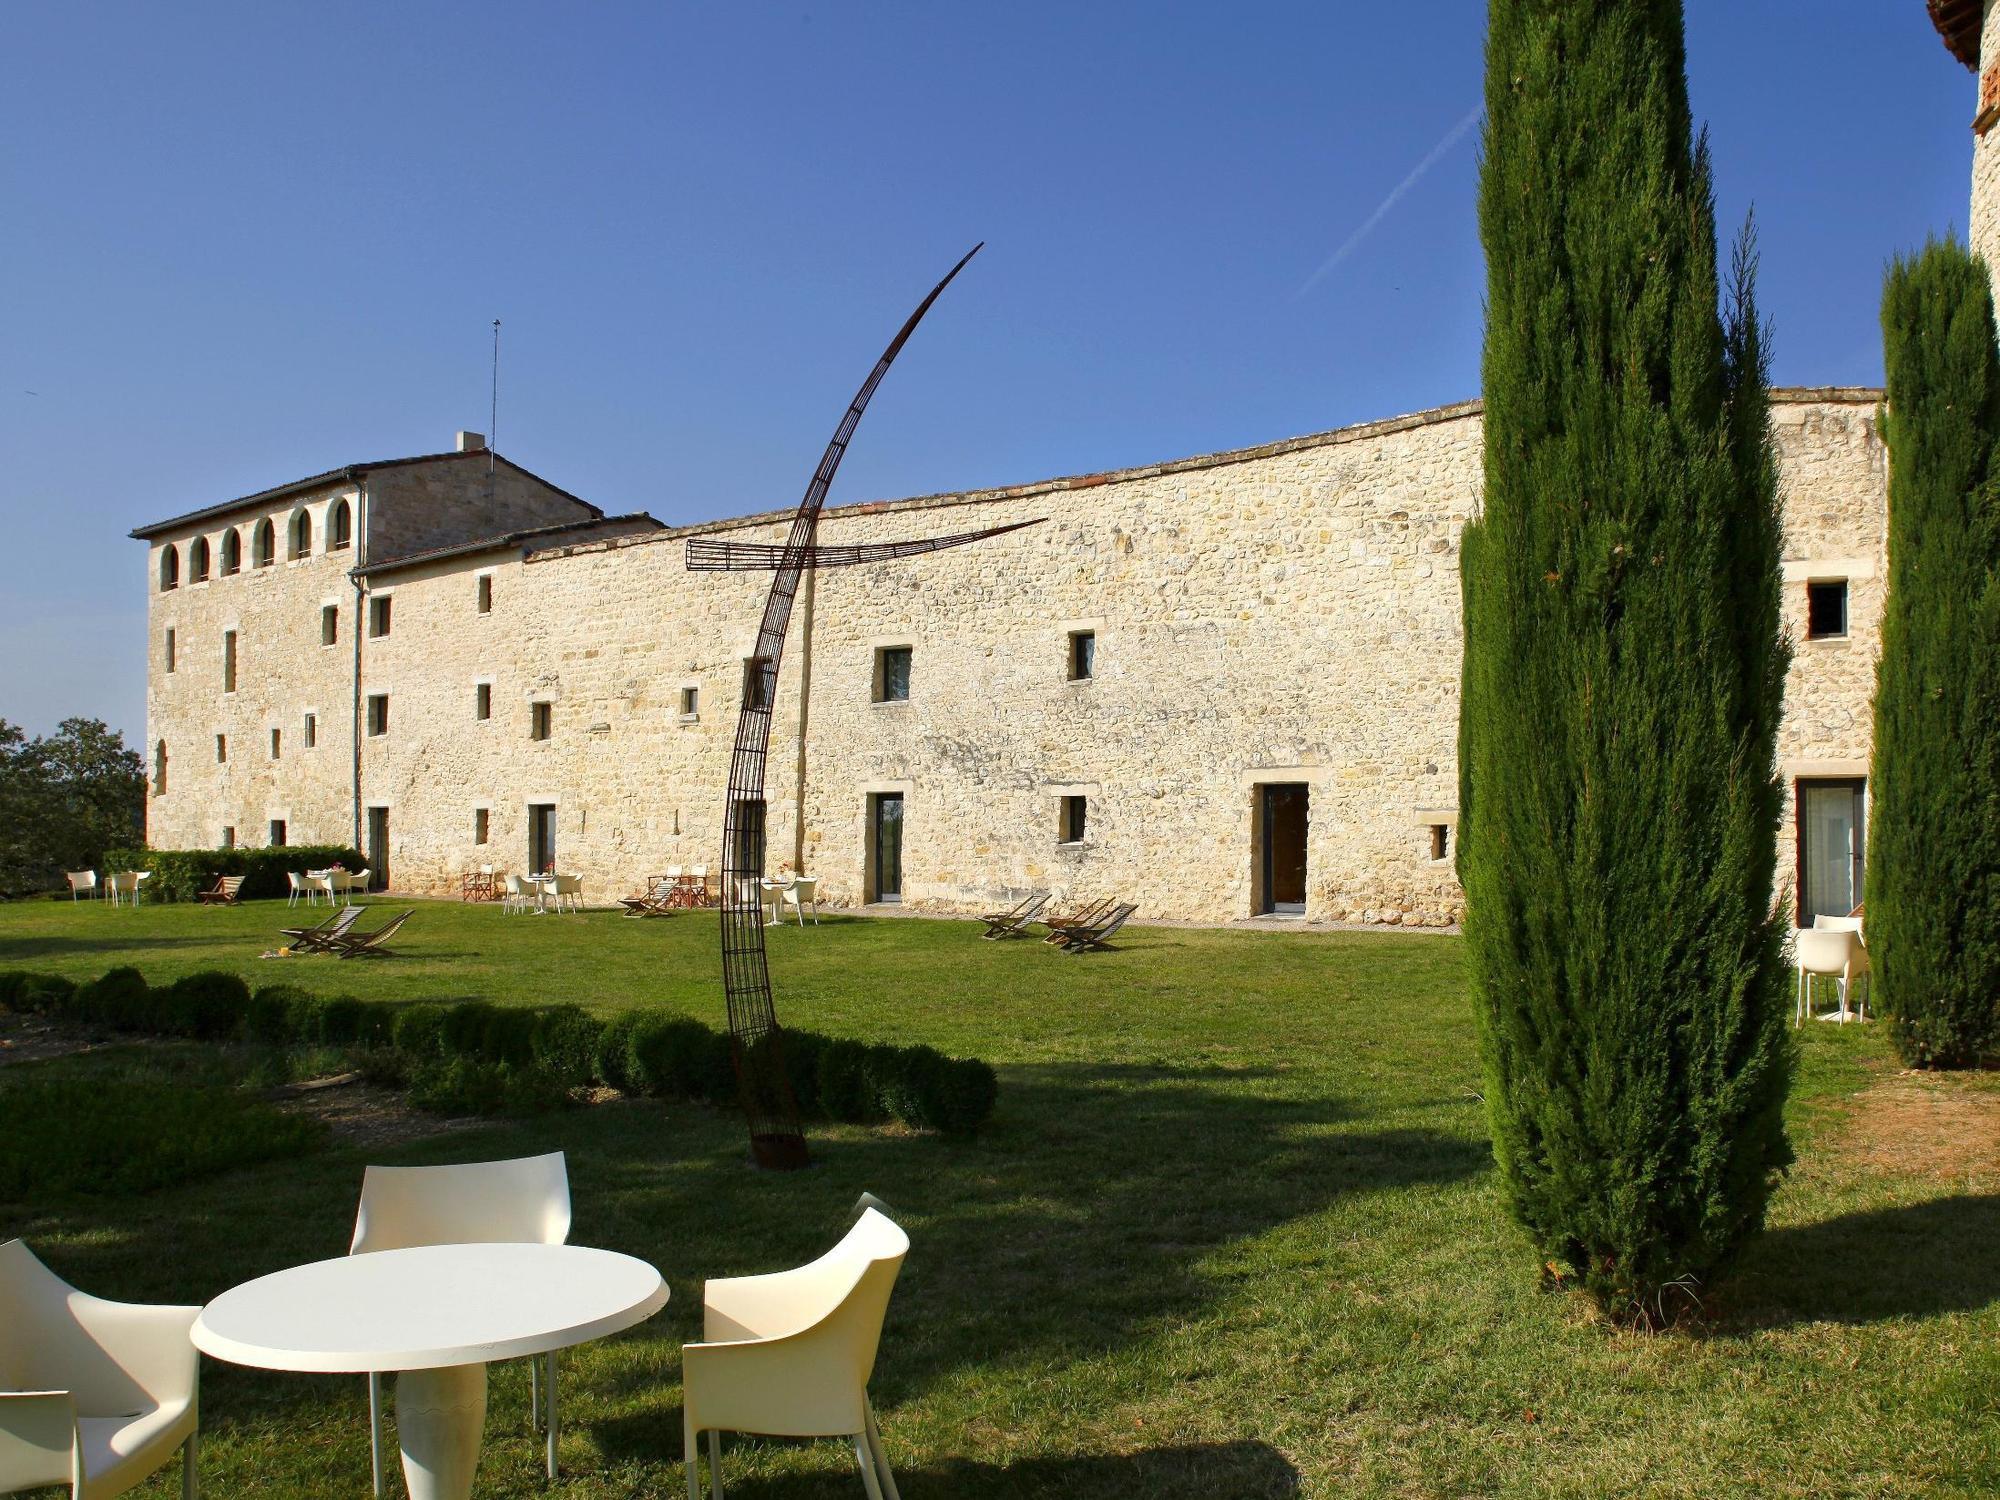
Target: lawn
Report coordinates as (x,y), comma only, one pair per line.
(1233,1230)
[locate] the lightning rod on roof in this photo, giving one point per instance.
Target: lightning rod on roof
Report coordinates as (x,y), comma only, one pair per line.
(493,411)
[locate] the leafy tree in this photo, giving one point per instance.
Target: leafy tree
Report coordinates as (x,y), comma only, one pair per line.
(1934,837)
(64,799)
(1623,672)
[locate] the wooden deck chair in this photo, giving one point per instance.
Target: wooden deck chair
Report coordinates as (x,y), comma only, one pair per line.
(1095,935)
(223,892)
(370,944)
(318,938)
(1081,916)
(1014,923)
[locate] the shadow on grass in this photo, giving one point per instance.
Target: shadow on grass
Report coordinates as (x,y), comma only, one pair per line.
(1917,1261)
(15,951)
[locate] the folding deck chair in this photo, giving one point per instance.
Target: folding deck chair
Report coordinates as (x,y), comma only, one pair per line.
(1006,924)
(1059,926)
(223,892)
(1087,938)
(319,938)
(370,944)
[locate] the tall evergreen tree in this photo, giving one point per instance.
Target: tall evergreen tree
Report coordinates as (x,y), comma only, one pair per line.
(1934,829)
(1623,672)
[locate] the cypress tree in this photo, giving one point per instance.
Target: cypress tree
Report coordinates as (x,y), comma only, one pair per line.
(1934,836)
(1623,673)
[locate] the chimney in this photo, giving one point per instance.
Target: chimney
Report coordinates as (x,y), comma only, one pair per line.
(472,442)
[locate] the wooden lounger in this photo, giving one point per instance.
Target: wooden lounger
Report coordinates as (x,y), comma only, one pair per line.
(1082,916)
(319,938)
(370,944)
(223,892)
(1006,924)
(1097,935)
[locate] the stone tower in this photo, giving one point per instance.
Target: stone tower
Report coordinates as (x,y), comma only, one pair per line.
(1972,33)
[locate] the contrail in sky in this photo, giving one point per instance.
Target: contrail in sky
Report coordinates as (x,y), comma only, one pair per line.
(1452,138)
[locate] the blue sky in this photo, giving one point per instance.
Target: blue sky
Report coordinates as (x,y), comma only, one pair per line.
(242,244)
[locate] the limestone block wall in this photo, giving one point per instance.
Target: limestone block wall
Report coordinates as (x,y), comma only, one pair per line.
(1986,149)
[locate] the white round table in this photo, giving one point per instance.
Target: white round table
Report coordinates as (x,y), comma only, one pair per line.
(438,1314)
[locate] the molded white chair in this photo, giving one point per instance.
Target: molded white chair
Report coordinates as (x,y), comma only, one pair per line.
(1859,969)
(96,1395)
(524,1201)
(800,894)
(1823,952)
(298,888)
(771,896)
(790,1354)
(358,881)
(125,883)
(81,883)
(569,888)
(520,895)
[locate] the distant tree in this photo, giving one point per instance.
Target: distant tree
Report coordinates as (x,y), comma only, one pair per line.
(1934,827)
(65,799)
(1623,672)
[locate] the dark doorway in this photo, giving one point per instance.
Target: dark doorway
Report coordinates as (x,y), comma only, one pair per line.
(1833,847)
(541,837)
(885,846)
(378,848)
(1281,836)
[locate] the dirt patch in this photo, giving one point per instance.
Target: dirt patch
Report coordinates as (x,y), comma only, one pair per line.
(1926,1124)
(30,1039)
(361,1114)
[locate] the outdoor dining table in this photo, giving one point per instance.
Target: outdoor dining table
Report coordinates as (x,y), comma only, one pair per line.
(436,1314)
(544,887)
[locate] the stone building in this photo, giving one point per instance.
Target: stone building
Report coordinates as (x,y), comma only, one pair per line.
(1219,686)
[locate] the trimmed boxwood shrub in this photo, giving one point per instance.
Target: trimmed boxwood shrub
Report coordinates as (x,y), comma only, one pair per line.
(614,1042)
(845,1091)
(119,999)
(180,874)
(207,1006)
(509,1035)
(418,1031)
(469,1086)
(463,1033)
(267,1018)
(341,1019)
(669,1055)
(565,1042)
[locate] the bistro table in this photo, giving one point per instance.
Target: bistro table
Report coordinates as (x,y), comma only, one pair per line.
(437,1314)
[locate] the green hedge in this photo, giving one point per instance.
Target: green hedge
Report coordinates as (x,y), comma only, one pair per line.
(179,874)
(473,1057)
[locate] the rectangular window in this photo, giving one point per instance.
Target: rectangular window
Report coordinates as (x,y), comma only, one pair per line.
(229,838)
(892,674)
(221,748)
(756,682)
(312,730)
(482,700)
(1075,811)
(329,625)
(378,713)
(540,719)
(479,825)
(277,833)
(1833,848)
(690,703)
(378,615)
(229,661)
(1826,609)
(746,837)
(1440,835)
(1082,655)
(486,593)
(277,742)
(170,648)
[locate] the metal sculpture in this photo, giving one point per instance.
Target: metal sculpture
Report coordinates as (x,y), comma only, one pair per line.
(756,1039)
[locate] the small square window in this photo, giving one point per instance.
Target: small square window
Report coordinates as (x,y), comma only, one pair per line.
(170,648)
(1440,838)
(277,833)
(486,593)
(1826,609)
(1082,655)
(378,615)
(329,625)
(482,700)
(1075,814)
(229,838)
(892,674)
(277,744)
(312,730)
(540,720)
(479,825)
(221,749)
(690,703)
(378,713)
(756,682)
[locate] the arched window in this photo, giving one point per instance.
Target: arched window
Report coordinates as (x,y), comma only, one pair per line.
(263,548)
(232,551)
(170,567)
(198,560)
(339,526)
(302,535)
(159,768)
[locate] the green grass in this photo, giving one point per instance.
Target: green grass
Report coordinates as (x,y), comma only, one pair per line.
(1232,1230)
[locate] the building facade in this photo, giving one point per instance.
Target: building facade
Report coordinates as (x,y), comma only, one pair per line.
(1218,687)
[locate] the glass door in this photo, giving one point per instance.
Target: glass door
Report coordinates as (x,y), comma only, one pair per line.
(1833,848)
(378,848)
(541,837)
(886,846)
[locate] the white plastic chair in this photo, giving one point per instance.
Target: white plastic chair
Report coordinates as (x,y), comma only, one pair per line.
(520,895)
(568,888)
(800,894)
(1818,951)
(81,883)
(139,879)
(298,889)
(358,881)
(524,1201)
(1859,970)
(125,883)
(771,896)
(98,1394)
(790,1354)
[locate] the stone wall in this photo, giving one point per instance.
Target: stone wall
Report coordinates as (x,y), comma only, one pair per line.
(1986,151)
(1283,614)
(441,502)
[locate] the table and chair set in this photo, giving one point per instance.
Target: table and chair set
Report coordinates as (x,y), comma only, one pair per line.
(450,1269)
(674,889)
(333,885)
(118,887)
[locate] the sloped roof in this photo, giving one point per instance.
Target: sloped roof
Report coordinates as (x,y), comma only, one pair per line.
(602,527)
(1957,21)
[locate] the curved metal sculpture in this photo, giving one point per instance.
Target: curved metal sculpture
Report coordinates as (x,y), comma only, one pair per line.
(756,1039)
